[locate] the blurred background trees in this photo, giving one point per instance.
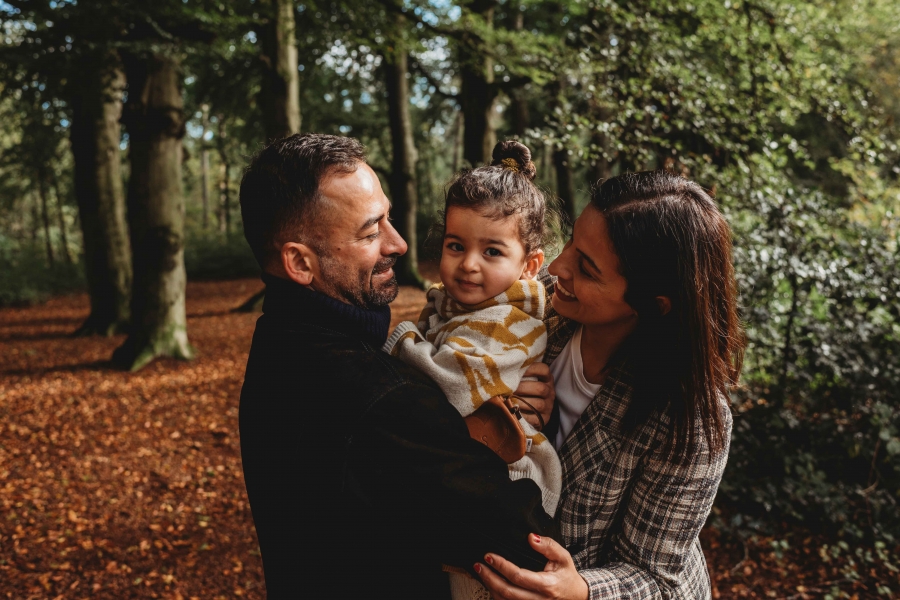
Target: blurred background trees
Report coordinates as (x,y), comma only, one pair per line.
(786,110)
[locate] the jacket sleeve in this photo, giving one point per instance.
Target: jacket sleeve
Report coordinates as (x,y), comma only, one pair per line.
(669,505)
(411,458)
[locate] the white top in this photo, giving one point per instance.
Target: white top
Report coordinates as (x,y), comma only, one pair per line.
(573,391)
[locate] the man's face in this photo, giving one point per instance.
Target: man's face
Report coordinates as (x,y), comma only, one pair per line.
(359,244)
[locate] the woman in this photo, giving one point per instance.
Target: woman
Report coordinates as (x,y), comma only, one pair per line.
(644,343)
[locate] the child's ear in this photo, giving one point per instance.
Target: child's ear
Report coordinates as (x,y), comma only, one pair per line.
(533,264)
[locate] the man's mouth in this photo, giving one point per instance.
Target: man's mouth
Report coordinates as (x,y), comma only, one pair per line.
(383,267)
(564,294)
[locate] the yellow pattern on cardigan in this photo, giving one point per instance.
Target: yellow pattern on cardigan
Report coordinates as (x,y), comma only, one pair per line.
(474,352)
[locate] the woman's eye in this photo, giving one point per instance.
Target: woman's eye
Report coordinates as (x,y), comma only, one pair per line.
(581,267)
(493,252)
(455,247)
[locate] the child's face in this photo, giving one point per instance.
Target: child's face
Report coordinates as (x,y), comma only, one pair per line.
(482,257)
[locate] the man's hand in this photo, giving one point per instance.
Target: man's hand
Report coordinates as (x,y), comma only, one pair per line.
(539,392)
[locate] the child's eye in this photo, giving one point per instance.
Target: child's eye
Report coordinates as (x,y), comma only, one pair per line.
(493,252)
(455,246)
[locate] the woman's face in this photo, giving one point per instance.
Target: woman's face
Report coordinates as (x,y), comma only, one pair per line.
(589,288)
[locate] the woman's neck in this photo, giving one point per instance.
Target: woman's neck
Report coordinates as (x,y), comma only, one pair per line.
(598,345)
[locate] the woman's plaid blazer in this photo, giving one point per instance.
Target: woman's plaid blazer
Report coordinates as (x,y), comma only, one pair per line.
(629,515)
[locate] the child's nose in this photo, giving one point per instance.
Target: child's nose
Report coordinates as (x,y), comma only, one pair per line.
(469,263)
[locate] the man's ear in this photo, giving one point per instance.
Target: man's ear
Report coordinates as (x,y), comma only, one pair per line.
(533,263)
(300,263)
(664,304)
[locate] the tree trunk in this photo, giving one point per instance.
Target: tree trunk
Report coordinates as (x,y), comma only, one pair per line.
(204,166)
(564,186)
(402,181)
(156,127)
(280,91)
(478,92)
(45,214)
(61,218)
(95,137)
(224,188)
(518,105)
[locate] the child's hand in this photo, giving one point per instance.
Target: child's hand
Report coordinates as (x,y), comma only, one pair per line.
(537,391)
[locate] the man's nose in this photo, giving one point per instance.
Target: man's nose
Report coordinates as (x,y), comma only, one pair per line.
(394,243)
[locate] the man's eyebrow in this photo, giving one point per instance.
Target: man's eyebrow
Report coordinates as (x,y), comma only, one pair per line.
(371,221)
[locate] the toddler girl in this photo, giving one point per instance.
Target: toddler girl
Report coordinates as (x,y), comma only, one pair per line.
(481,327)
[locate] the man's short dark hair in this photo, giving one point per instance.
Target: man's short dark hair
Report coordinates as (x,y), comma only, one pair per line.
(280,188)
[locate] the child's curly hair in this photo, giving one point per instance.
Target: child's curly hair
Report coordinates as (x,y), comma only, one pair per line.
(503,189)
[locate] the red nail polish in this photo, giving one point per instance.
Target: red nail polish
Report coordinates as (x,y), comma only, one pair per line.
(537,538)
(489,559)
(477,568)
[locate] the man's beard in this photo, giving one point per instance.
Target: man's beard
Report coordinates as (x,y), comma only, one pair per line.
(362,292)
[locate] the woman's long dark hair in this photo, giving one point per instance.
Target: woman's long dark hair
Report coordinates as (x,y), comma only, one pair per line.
(671,240)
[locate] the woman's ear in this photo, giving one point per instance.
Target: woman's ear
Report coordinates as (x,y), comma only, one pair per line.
(300,263)
(533,264)
(664,304)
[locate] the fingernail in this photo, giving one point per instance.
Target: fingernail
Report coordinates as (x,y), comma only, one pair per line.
(489,559)
(477,568)
(537,538)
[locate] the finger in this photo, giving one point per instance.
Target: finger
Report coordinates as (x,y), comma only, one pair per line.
(538,390)
(516,576)
(539,370)
(551,549)
(500,588)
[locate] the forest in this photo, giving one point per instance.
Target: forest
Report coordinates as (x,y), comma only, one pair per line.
(124,129)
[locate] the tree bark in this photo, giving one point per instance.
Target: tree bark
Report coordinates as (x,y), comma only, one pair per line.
(478,92)
(45,213)
(61,218)
(156,126)
(402,181)
(204,166)
(224,188)
(280,91)
(564,185)
(99,191)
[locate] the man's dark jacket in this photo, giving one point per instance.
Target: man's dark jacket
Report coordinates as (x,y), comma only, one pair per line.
(362,477)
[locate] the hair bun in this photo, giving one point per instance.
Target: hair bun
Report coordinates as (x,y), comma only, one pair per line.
(510,150)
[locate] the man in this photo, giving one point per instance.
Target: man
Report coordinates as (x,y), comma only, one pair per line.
(362,478)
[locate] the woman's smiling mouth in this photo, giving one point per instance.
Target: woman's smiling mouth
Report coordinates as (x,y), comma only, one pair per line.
(564,294)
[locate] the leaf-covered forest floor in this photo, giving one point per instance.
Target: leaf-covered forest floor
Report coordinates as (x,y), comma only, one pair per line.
(118,485)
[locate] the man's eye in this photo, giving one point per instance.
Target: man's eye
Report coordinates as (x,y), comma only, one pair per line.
(493,252)
(456,247)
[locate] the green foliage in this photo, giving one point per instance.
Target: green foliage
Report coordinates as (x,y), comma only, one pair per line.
(26,278)
(209,255)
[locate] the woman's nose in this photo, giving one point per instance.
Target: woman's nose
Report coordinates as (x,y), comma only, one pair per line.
(560,267)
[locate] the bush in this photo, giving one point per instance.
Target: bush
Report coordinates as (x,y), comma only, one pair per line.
(212,255)
(27,278)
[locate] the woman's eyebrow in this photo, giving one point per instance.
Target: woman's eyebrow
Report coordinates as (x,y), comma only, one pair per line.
(589,260)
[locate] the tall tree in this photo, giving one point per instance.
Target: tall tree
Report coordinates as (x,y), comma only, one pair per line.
(478,91)
(280,89)
(155,121)
(95,135)
(402,180)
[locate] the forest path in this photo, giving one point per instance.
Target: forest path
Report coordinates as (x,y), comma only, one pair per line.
(129,485)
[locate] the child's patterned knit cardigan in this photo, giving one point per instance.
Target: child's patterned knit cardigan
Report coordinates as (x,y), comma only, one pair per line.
(479,351)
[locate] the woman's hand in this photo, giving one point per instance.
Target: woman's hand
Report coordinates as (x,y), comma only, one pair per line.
(538,392)
(559,580)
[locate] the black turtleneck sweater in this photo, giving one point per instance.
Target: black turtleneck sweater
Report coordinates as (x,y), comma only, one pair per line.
(362,478)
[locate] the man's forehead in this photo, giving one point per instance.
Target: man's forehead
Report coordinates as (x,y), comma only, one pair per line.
(357,195)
